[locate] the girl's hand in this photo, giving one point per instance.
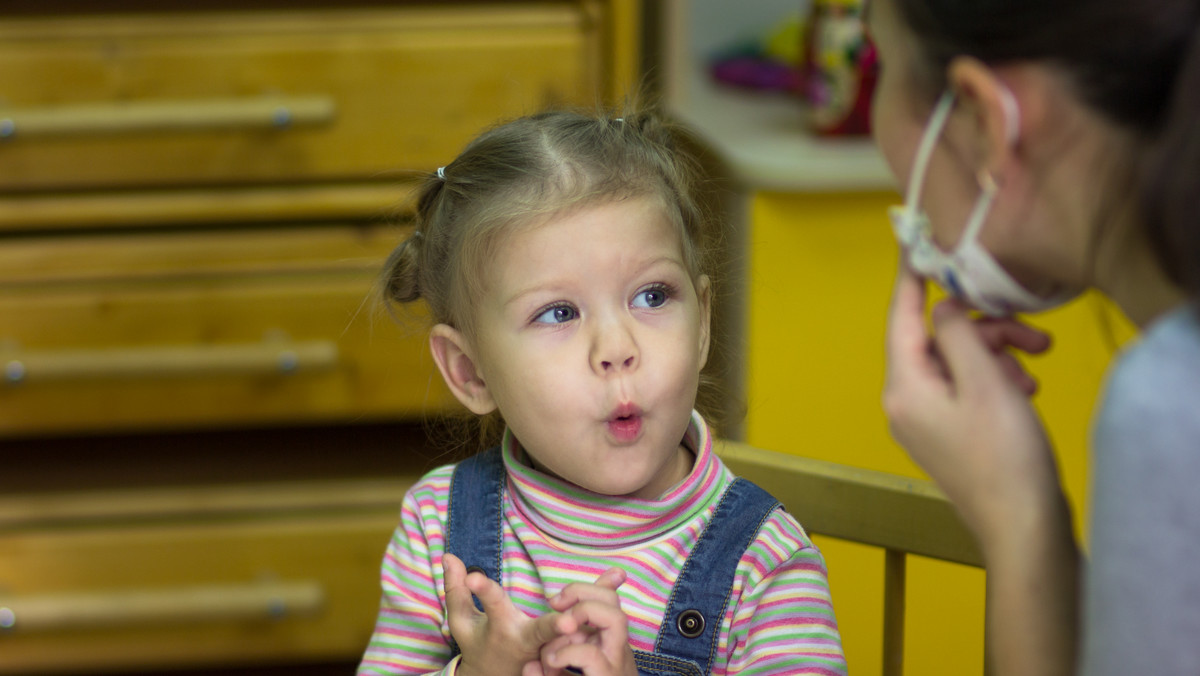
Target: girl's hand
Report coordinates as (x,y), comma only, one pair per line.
(600,647)
(500,640)
(957,400)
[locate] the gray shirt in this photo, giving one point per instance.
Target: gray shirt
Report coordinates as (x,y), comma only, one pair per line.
(1142,580)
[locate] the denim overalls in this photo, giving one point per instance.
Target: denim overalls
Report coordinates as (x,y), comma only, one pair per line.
(687,640)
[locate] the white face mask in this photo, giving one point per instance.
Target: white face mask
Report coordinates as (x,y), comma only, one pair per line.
(969,272)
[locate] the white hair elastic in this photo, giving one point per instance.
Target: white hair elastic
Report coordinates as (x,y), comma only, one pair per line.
(441,173)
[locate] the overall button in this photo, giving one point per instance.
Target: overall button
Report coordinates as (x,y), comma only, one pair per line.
(690,623)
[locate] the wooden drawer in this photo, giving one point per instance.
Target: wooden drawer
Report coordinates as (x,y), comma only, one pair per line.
(174,98)
(192,576)
(204,328)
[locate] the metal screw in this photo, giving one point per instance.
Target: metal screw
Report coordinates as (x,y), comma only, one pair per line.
(15,371)
(282,117)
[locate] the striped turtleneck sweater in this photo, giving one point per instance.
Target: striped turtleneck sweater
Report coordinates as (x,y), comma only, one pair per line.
(779,619)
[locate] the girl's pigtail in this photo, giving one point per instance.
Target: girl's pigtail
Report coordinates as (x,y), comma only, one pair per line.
(1171,191)
(401,271)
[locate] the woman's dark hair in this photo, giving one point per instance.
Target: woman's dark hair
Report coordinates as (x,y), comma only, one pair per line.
(1134,62)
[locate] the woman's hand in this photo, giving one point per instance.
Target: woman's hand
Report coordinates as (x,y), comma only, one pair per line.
(501,640)
(958,401)
(600,646)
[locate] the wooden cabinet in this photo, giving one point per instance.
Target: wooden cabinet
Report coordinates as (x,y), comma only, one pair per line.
(166,99)
(195,200)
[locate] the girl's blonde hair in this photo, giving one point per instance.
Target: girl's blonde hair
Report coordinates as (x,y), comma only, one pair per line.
(521,173)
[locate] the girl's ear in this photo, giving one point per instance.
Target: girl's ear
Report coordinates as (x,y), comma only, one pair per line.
(704,296)
(453,356)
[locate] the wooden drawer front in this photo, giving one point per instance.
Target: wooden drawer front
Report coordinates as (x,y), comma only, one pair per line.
(179,99)
(232,588)
(263,327)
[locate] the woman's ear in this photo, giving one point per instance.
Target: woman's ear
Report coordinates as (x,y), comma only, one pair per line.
(994,113)
(454,359)
(704,297)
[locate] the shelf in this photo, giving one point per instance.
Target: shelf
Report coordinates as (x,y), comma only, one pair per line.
(763,139)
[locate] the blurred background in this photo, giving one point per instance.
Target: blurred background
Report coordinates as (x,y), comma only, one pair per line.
(207,421)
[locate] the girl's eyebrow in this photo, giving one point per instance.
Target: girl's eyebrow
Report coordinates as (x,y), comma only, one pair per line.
(554,284)
(547,286)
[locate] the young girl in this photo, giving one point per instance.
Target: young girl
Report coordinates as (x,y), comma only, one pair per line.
(560,257)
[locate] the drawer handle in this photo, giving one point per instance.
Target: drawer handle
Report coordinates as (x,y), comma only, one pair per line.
(214,603)
(260,112)
(266,358)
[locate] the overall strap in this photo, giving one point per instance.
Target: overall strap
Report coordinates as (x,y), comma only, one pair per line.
(698,601)
(473,530)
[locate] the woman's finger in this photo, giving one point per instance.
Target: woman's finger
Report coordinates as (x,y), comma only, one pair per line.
(970,361)
(906,334)
(1017,374)
(1012,333)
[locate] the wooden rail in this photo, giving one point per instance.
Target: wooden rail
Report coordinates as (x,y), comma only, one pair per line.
(898,514)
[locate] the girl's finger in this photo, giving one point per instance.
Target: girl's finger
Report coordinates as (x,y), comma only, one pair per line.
(490,594)
(547,628)
(585,657)
(611,579)
(553,647)
(458,596)
(609,621)
(578,592)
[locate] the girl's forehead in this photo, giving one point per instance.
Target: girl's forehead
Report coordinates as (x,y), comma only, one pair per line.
(635,224)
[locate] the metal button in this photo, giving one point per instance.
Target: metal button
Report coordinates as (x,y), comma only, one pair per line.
(690,623)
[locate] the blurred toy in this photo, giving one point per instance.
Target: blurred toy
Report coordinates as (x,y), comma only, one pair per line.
(773,63)
(840,69)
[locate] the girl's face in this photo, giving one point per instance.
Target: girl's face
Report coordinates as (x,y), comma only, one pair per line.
(590,340)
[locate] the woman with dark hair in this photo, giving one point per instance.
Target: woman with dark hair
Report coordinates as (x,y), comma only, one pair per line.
(1049,147)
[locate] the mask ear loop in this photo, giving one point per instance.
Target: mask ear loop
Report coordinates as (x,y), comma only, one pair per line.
(933,130)
(987,182)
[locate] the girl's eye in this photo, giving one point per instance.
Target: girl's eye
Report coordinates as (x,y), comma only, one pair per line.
(559,314)
(651,298)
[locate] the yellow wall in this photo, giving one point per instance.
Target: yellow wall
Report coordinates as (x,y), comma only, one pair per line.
(819,276)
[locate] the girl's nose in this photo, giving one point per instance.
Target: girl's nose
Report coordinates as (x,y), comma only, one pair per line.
(614,349)
(610,366)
